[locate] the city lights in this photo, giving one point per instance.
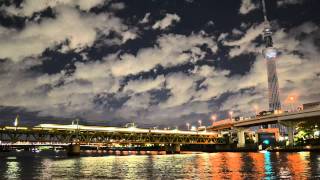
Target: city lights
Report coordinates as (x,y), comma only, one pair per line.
(230,114)
(213,117)
(270,53)
(256,109)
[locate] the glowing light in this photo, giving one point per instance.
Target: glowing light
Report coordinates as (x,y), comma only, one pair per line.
(281,138)
(110,129)
(213,117)
(13,170)
(230,114)
(256,108)
(188,126)
(267,142)
(16,121)
(132,128)
(270,53)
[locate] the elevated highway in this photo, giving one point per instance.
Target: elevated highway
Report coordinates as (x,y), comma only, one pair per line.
(288,119)
(299,116)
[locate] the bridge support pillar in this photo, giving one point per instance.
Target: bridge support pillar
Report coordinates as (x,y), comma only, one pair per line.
(241,137)
(256,138)
(73,150)
(290,128)
(173,149)
(290,135)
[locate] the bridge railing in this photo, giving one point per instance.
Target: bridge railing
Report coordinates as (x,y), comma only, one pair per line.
(87,137)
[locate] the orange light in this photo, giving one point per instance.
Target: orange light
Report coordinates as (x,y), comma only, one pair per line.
(214,117)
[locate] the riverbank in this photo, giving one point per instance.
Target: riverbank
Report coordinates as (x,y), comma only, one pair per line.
(295,149)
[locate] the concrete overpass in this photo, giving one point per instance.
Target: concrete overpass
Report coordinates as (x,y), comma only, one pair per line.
(298,116)
(288,119)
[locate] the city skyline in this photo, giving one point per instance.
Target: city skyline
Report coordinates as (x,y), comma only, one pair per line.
(152,62)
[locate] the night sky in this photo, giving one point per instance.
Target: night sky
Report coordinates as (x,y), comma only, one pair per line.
(156,63)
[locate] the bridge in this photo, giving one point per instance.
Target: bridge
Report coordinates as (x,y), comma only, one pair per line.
(98,135)
(288,119)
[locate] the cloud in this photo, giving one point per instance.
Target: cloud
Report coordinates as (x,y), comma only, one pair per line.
(295,67)
(180,94)
(29,7)
(145,18)
(139,86)
(166,21)
(119,87)
(71,28)
(247,102)
(117,6)
(77,94)
(288,2)
(138,102)
(210,23)
(245,44)
(247,6)
(171,50)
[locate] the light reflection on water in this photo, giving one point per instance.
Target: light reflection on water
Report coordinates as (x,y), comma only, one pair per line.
(304,165)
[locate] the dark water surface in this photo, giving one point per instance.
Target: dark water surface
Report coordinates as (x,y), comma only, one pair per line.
(27,165)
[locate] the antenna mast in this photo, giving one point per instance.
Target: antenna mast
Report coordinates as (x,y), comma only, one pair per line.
(264,11)
(267,32)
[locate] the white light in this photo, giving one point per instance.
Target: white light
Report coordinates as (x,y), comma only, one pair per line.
(213,117)
(317,133)
(281,138)
(270,53)
(16,122)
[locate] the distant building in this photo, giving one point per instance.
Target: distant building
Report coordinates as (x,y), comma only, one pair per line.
(310,105)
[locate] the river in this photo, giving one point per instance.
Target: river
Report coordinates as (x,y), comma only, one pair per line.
(226,165)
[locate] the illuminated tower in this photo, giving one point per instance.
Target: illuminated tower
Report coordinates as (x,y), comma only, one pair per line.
(270,54)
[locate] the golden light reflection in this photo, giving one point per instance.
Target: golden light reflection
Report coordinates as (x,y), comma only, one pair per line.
(234,164)
(203,167)
(218,165)
(297,163)
(258,164)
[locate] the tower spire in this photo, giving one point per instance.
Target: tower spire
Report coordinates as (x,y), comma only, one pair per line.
(264,11)
(270,54)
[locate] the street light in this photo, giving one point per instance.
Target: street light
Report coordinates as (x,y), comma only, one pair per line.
(256,109)
(230,114)
(188,126)
(16,121)
(213,118)
(291,99)
(200,122)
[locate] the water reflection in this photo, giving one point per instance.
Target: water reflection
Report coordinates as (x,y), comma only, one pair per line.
(257,161)
(267,165)
(185,166)
(13,168)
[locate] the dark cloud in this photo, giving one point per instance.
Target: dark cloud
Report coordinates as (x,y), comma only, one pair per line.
(152,62)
